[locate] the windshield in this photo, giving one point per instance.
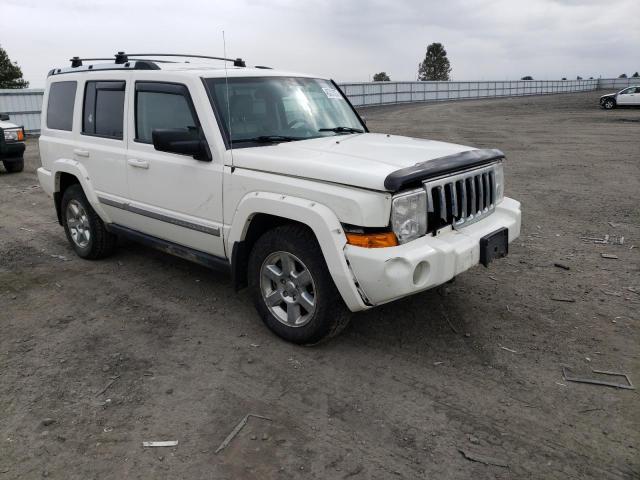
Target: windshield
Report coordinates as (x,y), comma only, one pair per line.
(276,109)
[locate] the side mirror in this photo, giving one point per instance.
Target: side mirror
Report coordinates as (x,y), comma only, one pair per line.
(4,117)
(184,141)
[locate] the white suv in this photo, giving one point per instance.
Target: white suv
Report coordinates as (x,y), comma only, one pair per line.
(270,175)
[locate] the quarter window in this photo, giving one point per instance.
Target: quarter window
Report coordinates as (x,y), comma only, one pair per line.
(62,96)
(162,105)
(103,111)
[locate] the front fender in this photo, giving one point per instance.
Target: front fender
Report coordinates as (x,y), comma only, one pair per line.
(319,218)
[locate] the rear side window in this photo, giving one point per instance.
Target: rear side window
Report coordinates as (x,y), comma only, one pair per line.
(62,96)
(162,105)
(103,110)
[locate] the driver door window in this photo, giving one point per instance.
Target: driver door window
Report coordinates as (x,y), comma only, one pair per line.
(156,108)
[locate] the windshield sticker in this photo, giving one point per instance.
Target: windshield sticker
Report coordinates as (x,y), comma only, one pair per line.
(331,92)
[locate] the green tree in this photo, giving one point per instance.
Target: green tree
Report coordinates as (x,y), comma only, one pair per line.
(635,75)
(436,65)
(528,77)
(623,75)
(10,73)
(381,77)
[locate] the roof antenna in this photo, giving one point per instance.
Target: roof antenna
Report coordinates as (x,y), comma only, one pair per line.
(226,81)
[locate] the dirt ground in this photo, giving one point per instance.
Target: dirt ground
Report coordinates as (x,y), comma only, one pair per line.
(97,357)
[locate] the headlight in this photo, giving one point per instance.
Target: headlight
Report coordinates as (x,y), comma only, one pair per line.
(409,215)
(13,135)
(499,172)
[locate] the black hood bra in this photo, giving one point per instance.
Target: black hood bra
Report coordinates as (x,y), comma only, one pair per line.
(416,174)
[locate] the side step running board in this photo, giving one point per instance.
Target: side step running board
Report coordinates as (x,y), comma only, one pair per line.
(196,256)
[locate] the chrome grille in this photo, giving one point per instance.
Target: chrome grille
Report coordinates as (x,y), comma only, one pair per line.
(460,199)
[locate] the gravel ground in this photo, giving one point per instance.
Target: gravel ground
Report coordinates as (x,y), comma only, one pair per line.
(97,357)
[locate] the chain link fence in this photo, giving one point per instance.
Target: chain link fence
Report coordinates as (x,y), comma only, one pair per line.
(385,93)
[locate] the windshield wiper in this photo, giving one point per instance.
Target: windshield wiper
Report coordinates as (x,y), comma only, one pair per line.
(342,130)
(267,139)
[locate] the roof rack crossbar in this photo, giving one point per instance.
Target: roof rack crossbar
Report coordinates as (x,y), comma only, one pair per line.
(237,62)
(122,57)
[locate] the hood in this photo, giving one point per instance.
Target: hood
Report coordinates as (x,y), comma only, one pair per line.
(5,124)
(609,95)
(361,160)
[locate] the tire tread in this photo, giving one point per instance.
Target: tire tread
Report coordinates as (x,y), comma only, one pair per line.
(103,242)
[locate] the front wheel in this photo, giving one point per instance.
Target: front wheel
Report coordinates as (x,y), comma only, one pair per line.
(14,165)
(609,104)
(292,288)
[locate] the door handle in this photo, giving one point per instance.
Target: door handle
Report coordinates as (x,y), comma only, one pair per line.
(81,153)
(138,163)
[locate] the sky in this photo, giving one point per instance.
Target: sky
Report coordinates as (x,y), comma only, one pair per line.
(347,40)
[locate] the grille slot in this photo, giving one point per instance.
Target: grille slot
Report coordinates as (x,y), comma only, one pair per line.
(460,199)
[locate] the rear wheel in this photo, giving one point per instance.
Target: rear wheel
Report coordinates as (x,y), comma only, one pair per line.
(292,288)
(14,165)
(85,230)
(609,104)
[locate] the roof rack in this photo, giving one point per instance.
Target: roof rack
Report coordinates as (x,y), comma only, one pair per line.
(122,57)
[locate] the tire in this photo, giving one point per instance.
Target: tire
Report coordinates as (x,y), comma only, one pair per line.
(85,230)
(14,165)
(609,104)
(322,312)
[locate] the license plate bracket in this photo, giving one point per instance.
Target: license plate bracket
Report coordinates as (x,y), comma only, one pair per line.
(494,245)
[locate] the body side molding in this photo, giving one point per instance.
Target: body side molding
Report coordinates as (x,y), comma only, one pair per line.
(215,231)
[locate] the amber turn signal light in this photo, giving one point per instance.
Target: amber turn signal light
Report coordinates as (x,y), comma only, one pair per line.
(20,135)
(372,240)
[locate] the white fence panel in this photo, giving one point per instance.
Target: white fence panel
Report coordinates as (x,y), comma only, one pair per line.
(618,83)
(23,106)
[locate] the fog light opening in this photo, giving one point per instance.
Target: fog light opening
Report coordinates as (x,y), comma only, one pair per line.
(421,274)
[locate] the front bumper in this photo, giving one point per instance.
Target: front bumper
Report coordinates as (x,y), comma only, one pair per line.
(386,274)
(10,150)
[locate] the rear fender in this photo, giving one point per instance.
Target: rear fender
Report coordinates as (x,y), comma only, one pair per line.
(78,170)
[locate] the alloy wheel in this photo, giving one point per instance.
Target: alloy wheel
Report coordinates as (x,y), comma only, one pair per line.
(288,289)
(78,224)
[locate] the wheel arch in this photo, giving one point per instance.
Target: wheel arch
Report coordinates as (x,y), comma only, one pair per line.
(63,180)
(258,212)
(67,173)
(258,224)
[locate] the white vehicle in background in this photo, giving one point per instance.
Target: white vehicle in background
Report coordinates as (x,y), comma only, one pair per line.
(11,144)
(628,97)
(270,175)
